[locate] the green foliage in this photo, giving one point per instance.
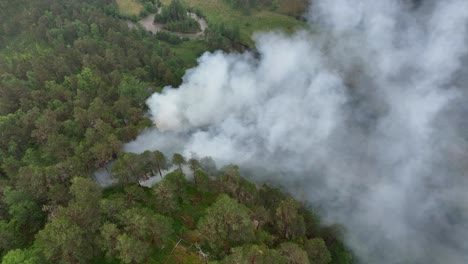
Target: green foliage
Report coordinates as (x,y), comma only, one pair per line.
(176,11)
(112,206)
(175,18)
(294,253)
(188,25)
(168,37)
(146,226)
(155,161)
(25,218)
(178,160)
(339,254)
(226,224)
(271,197)
(223,36)
(255,254)
(107,240)
(141,230)
(132,250)
(202,181)
(233,184)
(317,251)
(83,208)
(128,169)
(131,87)
(24,256)
(289,223)
(169,192)
(148,8)
(62,241)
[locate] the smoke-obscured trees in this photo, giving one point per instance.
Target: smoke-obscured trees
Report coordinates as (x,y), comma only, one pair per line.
(155,160)
(178,160)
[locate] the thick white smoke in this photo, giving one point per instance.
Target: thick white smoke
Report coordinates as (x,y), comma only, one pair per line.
(366,119)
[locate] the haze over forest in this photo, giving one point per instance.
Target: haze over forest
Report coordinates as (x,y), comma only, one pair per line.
(232,131)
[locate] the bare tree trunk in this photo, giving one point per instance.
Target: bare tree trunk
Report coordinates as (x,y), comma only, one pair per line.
(160,173)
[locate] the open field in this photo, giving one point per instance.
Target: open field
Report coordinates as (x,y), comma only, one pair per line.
(129,7)
(189,51)
(218,11)
(292,7)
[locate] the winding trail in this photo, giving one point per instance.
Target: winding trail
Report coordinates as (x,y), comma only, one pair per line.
(148,24)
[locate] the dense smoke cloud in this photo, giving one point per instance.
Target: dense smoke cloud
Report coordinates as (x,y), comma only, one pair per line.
(366,119)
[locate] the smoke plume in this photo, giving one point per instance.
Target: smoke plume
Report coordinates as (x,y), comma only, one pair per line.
(364,117)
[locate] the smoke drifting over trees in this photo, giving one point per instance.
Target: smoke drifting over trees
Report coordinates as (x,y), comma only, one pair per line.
(366,118)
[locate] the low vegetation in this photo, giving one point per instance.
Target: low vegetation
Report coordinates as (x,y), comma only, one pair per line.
(129,7)
(133,9)
(175,17)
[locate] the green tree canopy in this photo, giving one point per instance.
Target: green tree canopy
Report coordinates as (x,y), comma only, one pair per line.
(226,224)
(254,254)
(289,223)
(294,253)
(317,251)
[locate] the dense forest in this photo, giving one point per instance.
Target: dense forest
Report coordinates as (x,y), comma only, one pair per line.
(73,84)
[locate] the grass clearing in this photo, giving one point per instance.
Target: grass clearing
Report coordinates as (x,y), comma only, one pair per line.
(218,11)
(129,7)
(189,51)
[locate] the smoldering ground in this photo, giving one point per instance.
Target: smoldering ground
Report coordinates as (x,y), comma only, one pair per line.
(365,119)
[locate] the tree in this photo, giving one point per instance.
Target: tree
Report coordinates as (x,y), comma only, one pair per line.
(107,240)
(294,253)
(194,165)
(178,160)
(24,256)
(84,207)
(176,11)
(7,236)
(133,88)
(260,216)
(132,250)
(62,241)
(289,223)
(141,230)
(226,224)
(271,197)
(147,226)
(169,191)
(202,181)
(26,217)
(154,160)
(208,165)
(128,168)
(317,251)
(237,187)
(112,206)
